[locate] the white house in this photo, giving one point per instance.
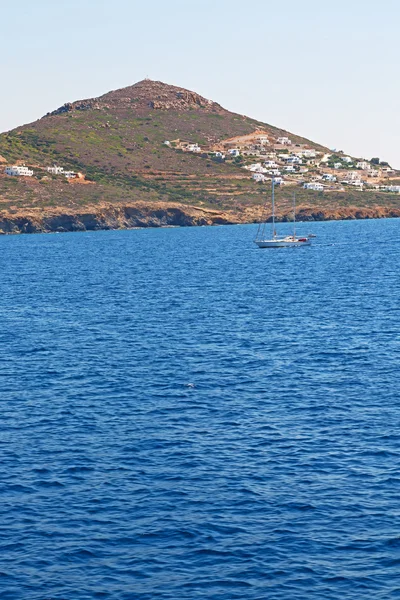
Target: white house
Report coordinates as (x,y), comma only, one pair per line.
(219,155)
(55,170)
(254,167)
(304,153)
(193,148)
(337,165)
(392,188)
(290,169)
(312,185)
(364,165)
(259,177)
(167,143)
(347,159)
(19,171)
(69,174)
(274,172)
(293,160)
(234,152)
(328,177)
(278,181)
(356,182)
(270,164)
(262,139)
(352,176)
(284,141)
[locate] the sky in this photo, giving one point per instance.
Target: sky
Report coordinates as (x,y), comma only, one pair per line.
(328,71)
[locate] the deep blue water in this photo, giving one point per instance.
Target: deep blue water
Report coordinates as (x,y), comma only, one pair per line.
(185,416)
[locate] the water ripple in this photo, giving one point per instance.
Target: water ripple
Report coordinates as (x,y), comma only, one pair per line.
(186,416)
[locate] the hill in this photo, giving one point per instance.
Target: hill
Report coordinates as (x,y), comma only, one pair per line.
(161,146)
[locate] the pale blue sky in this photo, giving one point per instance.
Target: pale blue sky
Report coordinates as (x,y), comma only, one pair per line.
(328,70)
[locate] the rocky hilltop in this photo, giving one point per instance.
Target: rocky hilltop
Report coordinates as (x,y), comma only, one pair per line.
(143,95)
(162,146)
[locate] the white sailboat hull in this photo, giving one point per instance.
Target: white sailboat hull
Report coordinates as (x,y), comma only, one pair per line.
(289,241)
(283,243)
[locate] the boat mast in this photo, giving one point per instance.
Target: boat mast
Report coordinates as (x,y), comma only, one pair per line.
(273,207)
(294,215)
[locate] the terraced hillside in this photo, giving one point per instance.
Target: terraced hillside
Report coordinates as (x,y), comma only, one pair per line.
(118,142)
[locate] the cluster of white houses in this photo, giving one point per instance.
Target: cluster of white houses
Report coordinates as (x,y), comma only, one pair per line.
(320,187)
(19,171)
(233,147)
(60,171)
(279,158)
(23,171)
(390,188)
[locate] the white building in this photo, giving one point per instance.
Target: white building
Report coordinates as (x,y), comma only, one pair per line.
(193,148)
(270,164)
(328,177)
(312,185)
(352,176)
(263,140)
(219,155)
(305,153)
(290,169)
(293,160)
(357,183)
(274,172)
(234,152)
(364,165)
(392,188)
(167,143)
(256,167)
(259,177)
(347,159)
(69,174)
(19,171)
(284,141)
(278,180)
(55,170)
(373,173)
(337,165)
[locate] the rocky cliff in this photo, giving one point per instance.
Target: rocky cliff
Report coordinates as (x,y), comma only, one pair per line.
(142,215)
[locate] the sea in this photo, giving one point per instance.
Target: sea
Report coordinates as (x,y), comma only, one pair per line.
(186,416)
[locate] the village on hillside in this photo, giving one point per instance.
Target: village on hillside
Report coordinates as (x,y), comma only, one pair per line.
(263,158)
(266,158)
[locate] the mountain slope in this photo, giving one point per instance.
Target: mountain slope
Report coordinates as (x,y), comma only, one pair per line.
(117,142)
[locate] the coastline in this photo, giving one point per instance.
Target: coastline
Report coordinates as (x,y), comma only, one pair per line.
(143,215)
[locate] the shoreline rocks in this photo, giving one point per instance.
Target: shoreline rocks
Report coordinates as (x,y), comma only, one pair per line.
(141,215)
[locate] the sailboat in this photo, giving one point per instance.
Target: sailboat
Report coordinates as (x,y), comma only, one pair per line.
(290,241)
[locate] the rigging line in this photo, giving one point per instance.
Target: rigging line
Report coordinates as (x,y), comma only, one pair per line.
(261,224)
